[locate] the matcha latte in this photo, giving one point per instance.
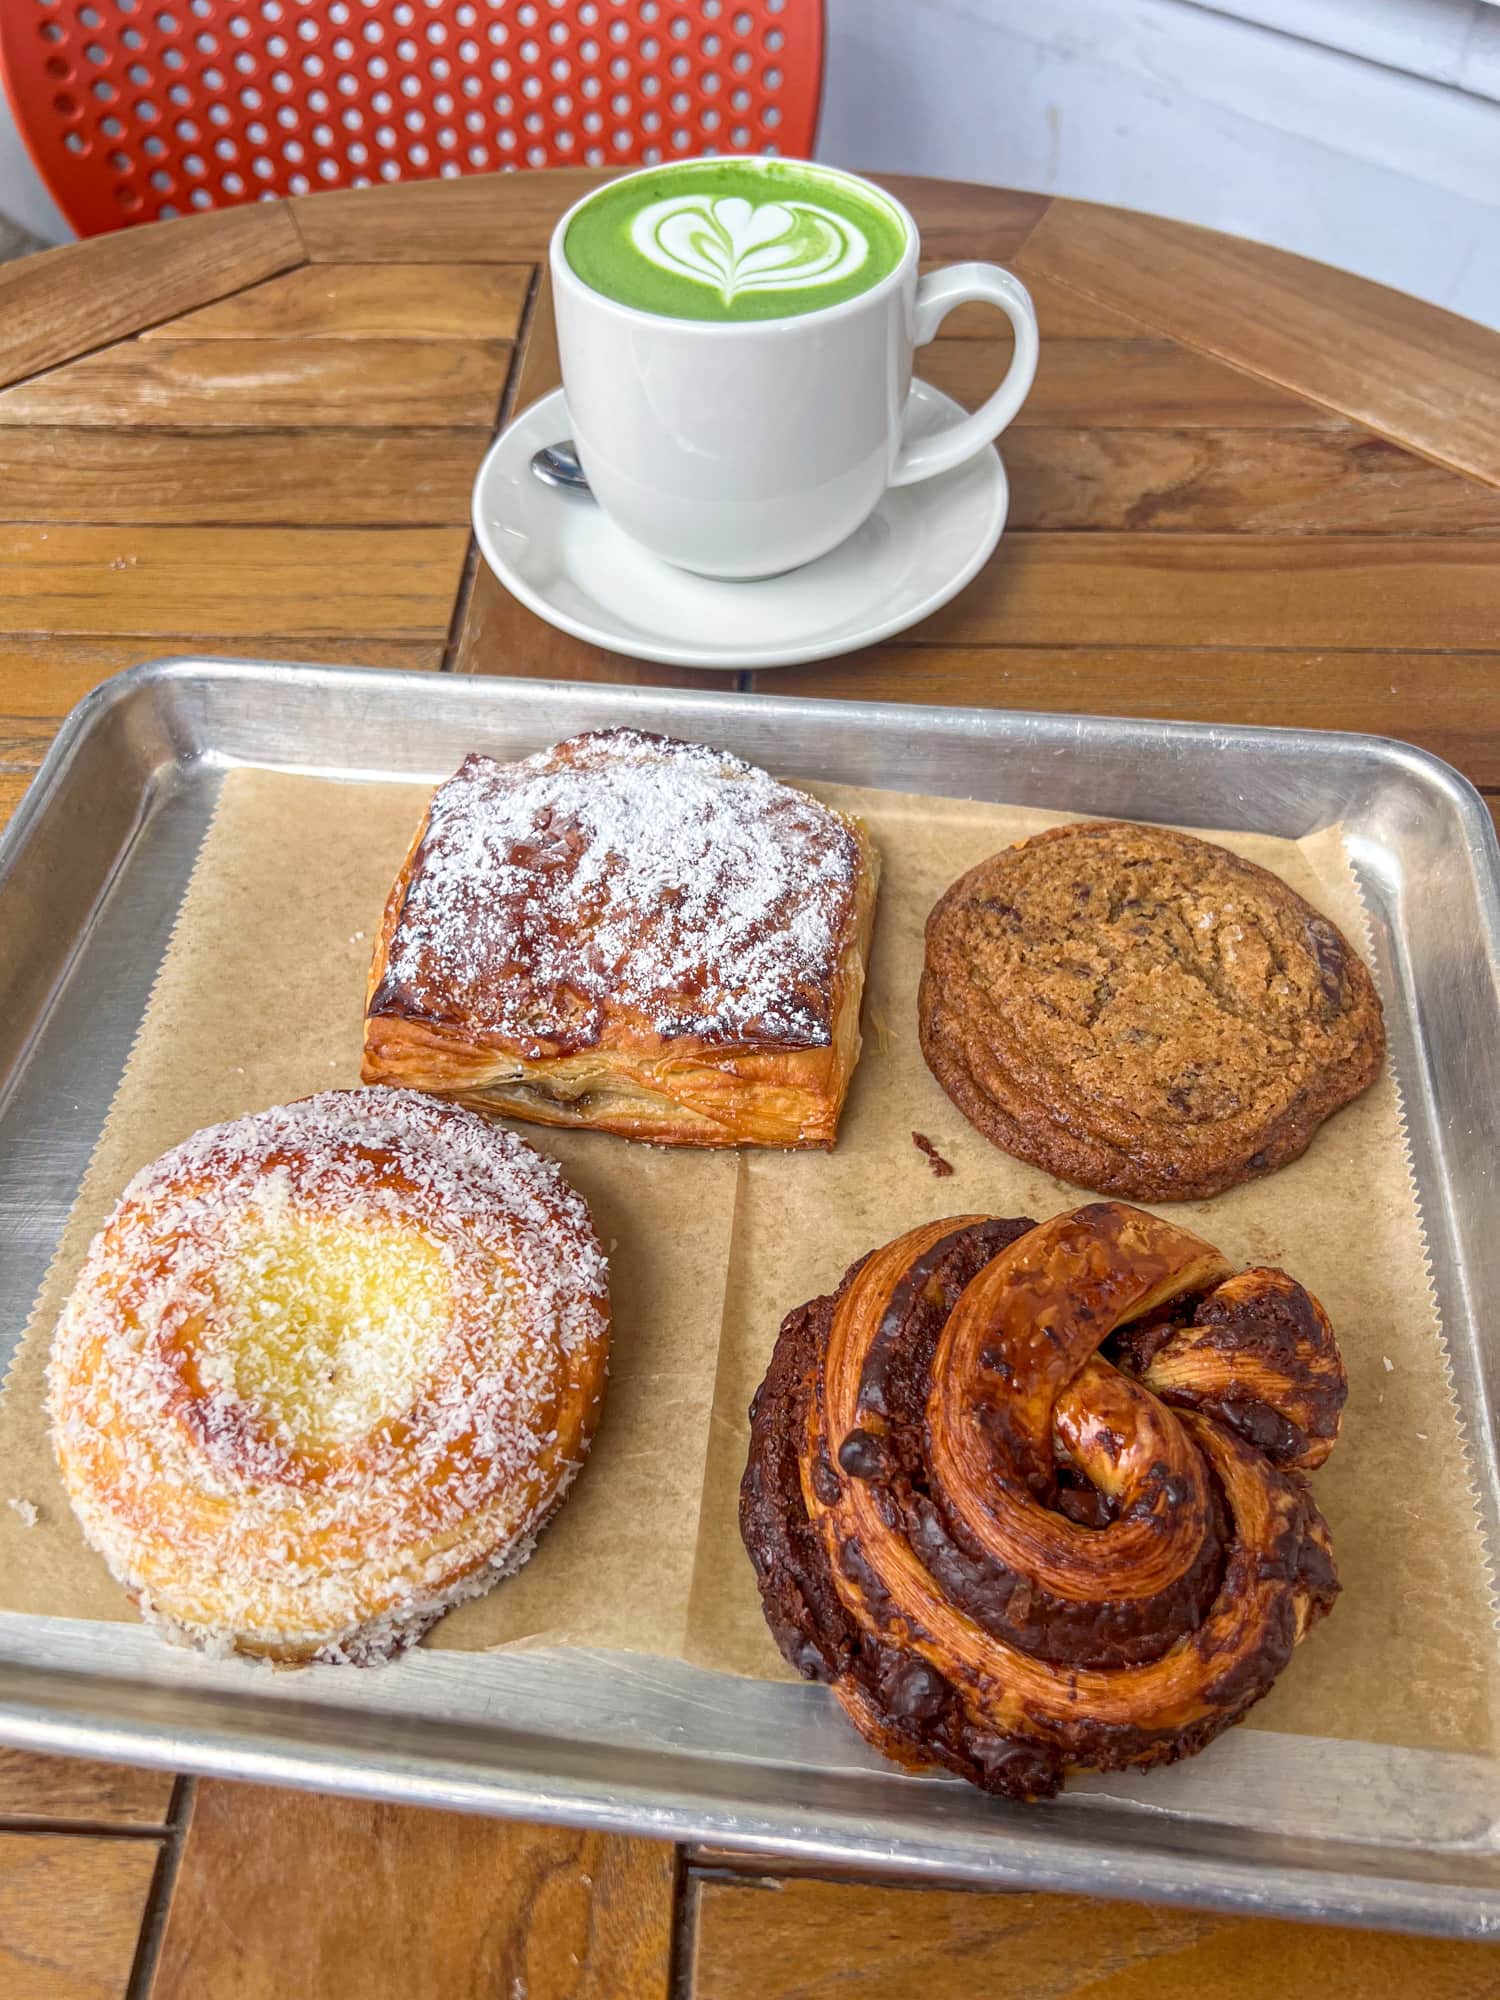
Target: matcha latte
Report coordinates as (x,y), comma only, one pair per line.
(731,240)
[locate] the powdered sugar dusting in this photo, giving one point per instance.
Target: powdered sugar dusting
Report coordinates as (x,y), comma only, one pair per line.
(252,1474)
(622,870)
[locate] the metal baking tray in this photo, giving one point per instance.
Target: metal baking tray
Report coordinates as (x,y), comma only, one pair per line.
(92,872)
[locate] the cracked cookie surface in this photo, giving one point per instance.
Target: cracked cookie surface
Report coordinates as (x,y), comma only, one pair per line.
(1143,1012)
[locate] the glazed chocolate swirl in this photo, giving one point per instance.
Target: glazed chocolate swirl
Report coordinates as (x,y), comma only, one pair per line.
(1029,1497)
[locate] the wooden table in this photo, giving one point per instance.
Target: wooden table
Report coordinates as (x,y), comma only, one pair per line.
(1245,488)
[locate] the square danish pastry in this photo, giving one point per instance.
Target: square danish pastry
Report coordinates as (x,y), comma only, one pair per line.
(629,933)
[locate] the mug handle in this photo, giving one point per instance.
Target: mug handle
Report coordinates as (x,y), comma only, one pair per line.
(937,294)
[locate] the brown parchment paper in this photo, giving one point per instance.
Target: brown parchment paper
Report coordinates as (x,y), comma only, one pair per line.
(259,1000)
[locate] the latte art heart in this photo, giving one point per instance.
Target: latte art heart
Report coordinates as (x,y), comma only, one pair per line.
(739,246)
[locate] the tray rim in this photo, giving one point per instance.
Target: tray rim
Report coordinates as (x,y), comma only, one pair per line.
(1096,1867)
(118,688)
(1082,1863)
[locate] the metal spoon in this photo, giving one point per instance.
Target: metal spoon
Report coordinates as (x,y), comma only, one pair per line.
(557,465)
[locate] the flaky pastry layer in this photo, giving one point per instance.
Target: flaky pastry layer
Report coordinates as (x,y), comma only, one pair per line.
(540,959)
(1030,1497)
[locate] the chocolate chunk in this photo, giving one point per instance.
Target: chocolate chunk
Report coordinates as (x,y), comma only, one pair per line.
(1257,1423)
(1014,1769)
(1332,955)
(862,1455)
(916,1689)
(825,1481)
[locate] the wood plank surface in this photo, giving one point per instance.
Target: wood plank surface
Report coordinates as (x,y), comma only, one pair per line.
(13,785)
(260,384)
(1233,482)
(242,583)
(1221,481)
(1449,703)
(284,1893)
(1316,591)
(1131,385)
(1414,373)
(959,220)
(24,741)
(538,368)
(201,478)
(806,1940)
(70,1911)
(503,218)
(481,219)
(367,301)
(41,1789)
(63,302)
(43,674)
(1062,313)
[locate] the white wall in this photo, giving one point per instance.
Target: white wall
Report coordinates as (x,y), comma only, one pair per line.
(1368,139)
(23,194)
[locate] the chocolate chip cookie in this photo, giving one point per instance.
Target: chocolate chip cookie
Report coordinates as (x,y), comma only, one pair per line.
(1142,1012)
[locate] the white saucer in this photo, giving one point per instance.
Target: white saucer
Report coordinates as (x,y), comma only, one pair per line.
(559,554)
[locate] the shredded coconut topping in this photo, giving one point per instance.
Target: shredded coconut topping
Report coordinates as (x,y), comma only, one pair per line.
(327,1368)
(622,870)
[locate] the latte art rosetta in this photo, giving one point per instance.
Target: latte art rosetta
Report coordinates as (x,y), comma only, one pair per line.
(738,246)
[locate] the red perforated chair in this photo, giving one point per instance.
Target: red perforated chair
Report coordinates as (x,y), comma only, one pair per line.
(136,109)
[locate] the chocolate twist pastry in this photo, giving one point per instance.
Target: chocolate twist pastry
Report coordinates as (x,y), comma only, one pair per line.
(1029,1497)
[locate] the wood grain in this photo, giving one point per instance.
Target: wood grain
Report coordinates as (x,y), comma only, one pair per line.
(481,219)
(1450,704)
(283,1893)
(958,220)
(1313,591)
(1414,373)
(241,583)
(13,785)
(1235,482)
(197,478)
(1131,385)
(34,1788)
(538,368)
(503,218)
(261,384)
(807,1940)
(1061,314)
(63,302)
(24,742)
(45,674)
(367,302)
(70,1909)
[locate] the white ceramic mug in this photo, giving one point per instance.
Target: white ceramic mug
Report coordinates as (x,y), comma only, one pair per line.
(748,448)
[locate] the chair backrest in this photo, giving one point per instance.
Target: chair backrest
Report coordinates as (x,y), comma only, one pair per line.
(137,109)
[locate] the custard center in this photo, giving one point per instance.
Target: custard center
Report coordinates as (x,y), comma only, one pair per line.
(328,1329)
